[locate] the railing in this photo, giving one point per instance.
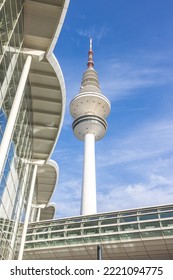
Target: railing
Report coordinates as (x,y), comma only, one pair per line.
(138,224)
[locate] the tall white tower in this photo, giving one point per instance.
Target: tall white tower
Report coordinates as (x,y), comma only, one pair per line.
(89,109)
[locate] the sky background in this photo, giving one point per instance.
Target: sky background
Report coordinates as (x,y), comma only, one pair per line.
(133,55)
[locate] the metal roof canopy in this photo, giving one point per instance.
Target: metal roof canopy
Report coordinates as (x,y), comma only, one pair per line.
(43,20)
(48,212)
(47,176)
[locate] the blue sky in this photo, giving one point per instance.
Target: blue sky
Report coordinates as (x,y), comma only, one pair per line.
(133,54)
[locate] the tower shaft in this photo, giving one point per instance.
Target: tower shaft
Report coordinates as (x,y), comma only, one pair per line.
(88,200)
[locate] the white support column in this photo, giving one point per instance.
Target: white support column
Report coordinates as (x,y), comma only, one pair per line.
(28,210)
(38,214)
(88,203)
(13,114)
(17,219)
(33,209)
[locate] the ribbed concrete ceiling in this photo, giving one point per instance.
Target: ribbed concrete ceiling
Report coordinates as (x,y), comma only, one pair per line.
(45,183)
(47,213)
(46,106)
(130,250)
(43,20)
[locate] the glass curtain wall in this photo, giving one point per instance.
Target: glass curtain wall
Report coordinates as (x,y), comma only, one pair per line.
(16,175)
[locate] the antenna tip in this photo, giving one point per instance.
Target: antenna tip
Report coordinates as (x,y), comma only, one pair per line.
(90,56)
(90,44)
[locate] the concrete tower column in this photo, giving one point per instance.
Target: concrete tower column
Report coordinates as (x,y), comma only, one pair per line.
(89,109)
(13,114)
(88,202)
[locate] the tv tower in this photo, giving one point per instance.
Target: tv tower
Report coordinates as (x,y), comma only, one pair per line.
(89,109)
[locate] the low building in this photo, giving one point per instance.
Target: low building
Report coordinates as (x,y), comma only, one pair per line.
(133,234)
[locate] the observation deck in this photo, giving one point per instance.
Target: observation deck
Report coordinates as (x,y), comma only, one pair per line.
(90,107)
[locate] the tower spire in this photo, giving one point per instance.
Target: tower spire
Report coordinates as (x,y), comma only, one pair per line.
(90,63)
(91,44)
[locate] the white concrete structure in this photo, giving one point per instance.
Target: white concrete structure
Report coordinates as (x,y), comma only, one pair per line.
(32,106)
(89,109)
(13,113)
(28,210)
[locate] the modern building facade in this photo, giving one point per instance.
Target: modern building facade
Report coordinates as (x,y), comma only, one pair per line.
(32,102)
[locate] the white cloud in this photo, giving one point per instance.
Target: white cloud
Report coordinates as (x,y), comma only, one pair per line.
(157,191)
(94,32)
(67,197)
(151,141)
(122,76)
(145,158)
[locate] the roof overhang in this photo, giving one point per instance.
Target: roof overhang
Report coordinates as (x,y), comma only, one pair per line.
(48,212)
(124,250)
(47,176)
(43,20)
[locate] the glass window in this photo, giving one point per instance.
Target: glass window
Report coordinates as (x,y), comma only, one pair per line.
(58,227)
(28,237)
(109,229)
(8,16)
(167,223)
(128,219)
(74,241)
(166,215)
(73,233)
(164,209)
(128,227)
(75,225)
(148,217)
(125,214)
(149,234)
(90,224)
(41,229)
(39,244)
(145,211)
(149,225)
(41,236)
(168,232)
(56,243)
(91,231)
(130,235)
(111,237)
(29,245)
(3,29)
(13,9)
(109,221)
(57,234)
(92,239)
(19,4)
